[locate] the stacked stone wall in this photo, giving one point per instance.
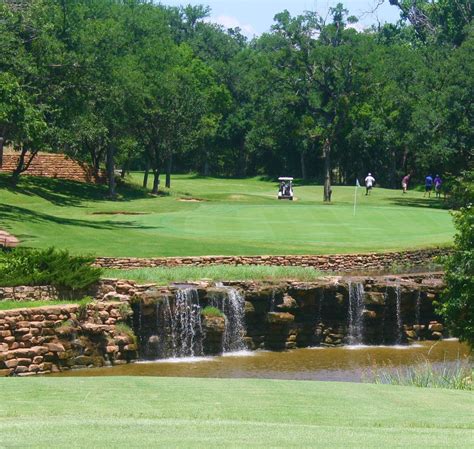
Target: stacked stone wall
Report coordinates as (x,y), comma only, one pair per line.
(336,263)
(54,166)
(56,338)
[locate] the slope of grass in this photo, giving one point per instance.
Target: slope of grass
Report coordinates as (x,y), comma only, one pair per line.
(138,412)
(232,217)
(215,273)
(8,305)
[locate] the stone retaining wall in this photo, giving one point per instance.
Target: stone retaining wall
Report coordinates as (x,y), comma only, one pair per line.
(54,166)
(335,263)
(56,338)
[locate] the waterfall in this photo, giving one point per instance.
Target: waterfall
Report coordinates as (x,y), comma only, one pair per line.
(186,327)
(399,315)
(233,307)
(356,313)
(176,329)
(273,301)
(418,308)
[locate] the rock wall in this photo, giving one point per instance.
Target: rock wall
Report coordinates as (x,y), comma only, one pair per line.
(51,339)
(370,262)
(54,166)
(333,311)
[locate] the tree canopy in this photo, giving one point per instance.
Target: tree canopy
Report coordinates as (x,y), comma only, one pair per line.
(139,85)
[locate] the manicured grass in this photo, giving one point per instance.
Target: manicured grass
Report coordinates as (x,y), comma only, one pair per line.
(8,305)
(234,217)
(166,275)
(139,412)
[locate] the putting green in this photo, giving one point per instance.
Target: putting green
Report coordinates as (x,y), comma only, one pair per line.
(219,217)
(138,412)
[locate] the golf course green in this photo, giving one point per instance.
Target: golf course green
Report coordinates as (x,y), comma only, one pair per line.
(210,216)
(139,412)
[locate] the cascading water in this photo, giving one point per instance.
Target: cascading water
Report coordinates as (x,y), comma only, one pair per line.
(186,326)
(233,307)
(356,313)
(176,330)
(273,301)
(418,308)
(398,308)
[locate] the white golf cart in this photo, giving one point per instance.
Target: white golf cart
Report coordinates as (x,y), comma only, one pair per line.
(285,190)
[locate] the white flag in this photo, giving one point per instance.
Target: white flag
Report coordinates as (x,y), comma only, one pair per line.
(357,182)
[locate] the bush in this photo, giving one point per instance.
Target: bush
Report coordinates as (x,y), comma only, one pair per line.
(457,305)
(211,311)
(47,267)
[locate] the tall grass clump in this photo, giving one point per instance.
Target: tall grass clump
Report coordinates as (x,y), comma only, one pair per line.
(50,266)
(216,273)
(455,376)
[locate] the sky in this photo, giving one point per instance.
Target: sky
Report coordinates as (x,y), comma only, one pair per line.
(255,17)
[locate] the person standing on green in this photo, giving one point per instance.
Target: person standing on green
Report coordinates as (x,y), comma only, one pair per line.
(405,181)
(369,183)
(438,182)
(428,186)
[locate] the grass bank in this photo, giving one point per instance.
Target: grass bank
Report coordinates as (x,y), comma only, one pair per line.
(164,275)
(132,412)
(9,305)
(209,216)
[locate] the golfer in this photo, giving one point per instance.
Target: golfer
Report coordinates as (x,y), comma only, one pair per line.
(428,186)
(438,183)
(369,183)
(405,181)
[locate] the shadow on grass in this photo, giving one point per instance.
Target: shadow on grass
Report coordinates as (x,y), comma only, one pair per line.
(15,213)
(61,192)
(430,203)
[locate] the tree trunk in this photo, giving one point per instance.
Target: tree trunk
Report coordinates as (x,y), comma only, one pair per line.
(19,167)
(168,172)
(1,151)
(124,170)
(145,175)
(303,166)
(327,171)
(241,169)
(156,182)
(111,170)
(405,161)
(206,167)
(393,175)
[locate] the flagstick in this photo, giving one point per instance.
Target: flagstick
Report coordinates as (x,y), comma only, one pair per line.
(355,199)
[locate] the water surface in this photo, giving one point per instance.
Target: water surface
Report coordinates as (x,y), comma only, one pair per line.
(352,364)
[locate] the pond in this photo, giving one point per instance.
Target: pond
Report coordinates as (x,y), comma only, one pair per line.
(349,363)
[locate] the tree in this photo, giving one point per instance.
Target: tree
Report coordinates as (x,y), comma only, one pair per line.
(458,300)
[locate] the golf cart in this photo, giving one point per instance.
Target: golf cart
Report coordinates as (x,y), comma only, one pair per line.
(285,191)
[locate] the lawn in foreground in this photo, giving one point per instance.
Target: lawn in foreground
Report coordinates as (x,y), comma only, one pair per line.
(138,412)
(232,217)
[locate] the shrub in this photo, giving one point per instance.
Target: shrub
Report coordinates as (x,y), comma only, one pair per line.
(457,306)
(211,311)
(47,267)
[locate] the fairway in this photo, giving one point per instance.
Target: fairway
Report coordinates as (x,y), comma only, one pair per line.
(138,412)
(219,217)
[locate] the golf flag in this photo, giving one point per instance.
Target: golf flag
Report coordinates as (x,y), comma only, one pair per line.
(355,195)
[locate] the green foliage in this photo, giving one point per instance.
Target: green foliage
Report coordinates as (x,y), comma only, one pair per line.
(122,328)
(457,306)
(47,267)
(149,86)
(211,311)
